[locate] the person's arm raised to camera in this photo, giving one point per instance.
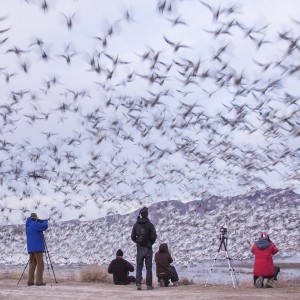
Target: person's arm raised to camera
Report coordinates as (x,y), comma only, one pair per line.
(274,248)
(42,225)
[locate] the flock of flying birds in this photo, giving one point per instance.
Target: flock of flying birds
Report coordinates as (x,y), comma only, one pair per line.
(186,117)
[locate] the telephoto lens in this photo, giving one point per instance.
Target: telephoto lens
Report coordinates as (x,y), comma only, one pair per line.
(223,230)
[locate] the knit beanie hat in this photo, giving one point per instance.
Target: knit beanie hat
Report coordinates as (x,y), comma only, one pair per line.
(264,236)
(119,253)
(33,216)
(144,212)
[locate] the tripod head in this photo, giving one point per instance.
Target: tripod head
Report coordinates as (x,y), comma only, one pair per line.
(223,242)
(223,233)
(223,237)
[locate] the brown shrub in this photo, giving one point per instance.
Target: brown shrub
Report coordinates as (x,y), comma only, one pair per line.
(95,273)
(288,283)
(12,275)
(185,281)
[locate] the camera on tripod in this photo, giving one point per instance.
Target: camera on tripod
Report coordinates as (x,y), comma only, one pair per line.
(223,232)
(40,220)
(223,242)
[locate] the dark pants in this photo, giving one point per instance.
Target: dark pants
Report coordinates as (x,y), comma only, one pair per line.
(276,271)
(174,277)
(144,254)
(129,279)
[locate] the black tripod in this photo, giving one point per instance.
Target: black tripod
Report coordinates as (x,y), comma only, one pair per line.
(23,272)
(223,242)
(48,262)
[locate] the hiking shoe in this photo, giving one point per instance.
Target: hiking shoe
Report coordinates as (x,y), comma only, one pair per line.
(40,284)
(259,282)
(150,287)
(161,283)
(270,283)
(138,287)
(30,283)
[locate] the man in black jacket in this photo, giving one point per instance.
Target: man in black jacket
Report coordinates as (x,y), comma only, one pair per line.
(120,269)
(144,235)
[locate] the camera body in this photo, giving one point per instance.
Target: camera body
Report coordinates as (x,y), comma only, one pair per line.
(223,231)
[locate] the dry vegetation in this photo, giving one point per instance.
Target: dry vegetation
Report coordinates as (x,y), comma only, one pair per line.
(95,273)
(12,275)
(288,283)
(185,281)
(98,274)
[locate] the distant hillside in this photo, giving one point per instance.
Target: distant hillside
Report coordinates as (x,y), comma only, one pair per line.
(191,230)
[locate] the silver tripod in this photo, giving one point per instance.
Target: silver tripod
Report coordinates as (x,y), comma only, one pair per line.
(223,242)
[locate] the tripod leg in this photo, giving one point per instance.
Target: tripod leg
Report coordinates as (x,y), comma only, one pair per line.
(23,272)
(231,270)
(234,274)
(48,268)
(206,282)
(47,253)
(52,270)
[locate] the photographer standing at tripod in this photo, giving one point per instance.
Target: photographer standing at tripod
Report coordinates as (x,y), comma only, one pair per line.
(36,248)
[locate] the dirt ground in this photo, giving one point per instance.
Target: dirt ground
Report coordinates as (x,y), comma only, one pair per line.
(77,290)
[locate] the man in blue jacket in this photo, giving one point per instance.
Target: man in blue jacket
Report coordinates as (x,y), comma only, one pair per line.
(36,248)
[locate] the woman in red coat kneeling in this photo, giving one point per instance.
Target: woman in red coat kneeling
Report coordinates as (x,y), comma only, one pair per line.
(263,249)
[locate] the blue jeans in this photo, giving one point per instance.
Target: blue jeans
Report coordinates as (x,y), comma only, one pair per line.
(144,254)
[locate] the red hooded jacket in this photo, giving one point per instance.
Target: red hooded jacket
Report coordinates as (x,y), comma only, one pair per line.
(263,264)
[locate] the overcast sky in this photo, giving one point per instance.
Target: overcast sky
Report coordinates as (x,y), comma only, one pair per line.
(115,35)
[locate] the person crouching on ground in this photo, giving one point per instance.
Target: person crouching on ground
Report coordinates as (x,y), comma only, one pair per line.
(36,248)
(164,270)
(120,269)
(263,249)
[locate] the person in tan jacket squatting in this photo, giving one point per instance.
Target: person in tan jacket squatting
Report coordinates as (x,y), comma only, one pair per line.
(164,270)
